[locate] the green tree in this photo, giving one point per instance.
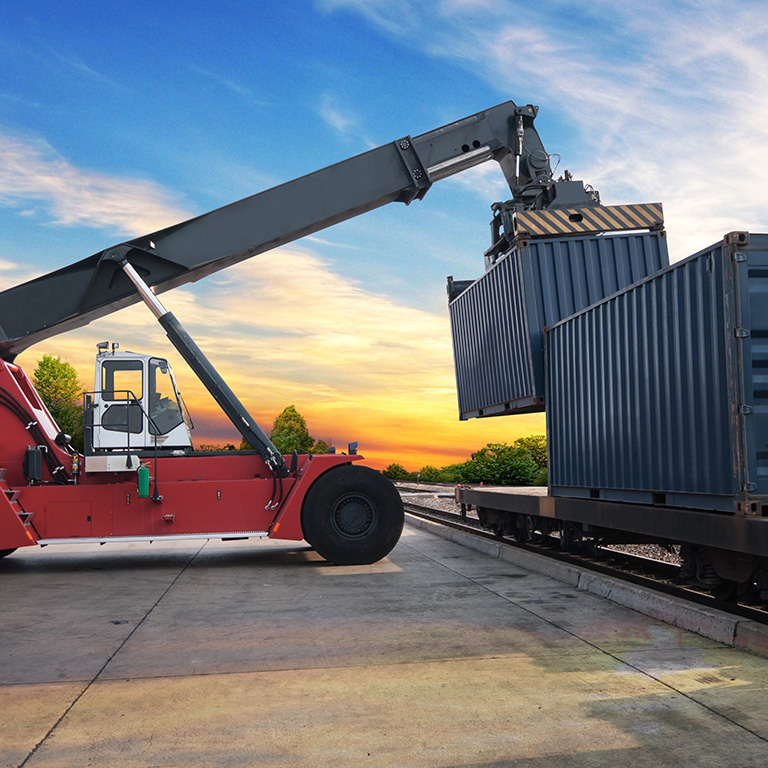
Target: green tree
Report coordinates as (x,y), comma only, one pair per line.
(320,447)
(453,473)
(429,474)
(290,432)
(536,445)
(501,464)
(396,472)
(59,388)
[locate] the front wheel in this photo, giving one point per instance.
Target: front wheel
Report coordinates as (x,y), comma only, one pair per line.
(352,516)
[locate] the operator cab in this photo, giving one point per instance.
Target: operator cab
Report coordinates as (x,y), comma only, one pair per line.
(136,405)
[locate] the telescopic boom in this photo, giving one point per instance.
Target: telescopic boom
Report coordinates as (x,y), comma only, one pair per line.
(401,171)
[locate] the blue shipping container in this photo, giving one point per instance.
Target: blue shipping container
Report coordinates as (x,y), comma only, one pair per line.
(659,394)
(498,321)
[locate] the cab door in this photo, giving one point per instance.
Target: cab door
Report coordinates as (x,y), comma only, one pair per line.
(118,419)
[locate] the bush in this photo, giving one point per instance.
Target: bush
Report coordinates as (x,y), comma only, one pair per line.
(501,464)
(429,474)
(396,472)
(522,463)
(453,473)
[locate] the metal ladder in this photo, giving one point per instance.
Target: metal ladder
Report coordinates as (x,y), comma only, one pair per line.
(13,498)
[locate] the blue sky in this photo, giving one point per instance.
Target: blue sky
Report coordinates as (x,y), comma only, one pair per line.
(118,119)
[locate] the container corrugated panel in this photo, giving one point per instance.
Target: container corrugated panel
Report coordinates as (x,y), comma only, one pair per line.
(498,322)
(659,394)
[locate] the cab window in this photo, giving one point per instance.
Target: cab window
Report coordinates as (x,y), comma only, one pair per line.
(164,408)
(122,379)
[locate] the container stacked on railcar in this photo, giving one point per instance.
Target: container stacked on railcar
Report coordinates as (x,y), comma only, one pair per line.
(659,393)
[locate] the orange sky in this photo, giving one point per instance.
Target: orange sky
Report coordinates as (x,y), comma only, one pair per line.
(285,329)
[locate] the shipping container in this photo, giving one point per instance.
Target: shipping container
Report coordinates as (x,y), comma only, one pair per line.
(659,394)
(498,320)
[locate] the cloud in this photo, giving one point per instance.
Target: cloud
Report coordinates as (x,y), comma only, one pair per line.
(231,85)
(333,243)
(33,175)
(484,180)
(400,20)
(12,273)
(664,100)
(293,313)
(343,120)
(75,63)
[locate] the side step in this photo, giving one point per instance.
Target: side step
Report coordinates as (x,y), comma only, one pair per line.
(224,535)
(13,534)
(13,498)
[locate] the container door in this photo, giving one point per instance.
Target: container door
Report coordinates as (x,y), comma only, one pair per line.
(753,340)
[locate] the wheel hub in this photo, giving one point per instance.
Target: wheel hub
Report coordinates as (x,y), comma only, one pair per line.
(353,515)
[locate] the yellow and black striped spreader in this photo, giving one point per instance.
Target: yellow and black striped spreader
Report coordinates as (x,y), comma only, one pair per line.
(587,220)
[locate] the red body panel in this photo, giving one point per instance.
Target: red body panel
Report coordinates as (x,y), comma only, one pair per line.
(201,494)
(107,505)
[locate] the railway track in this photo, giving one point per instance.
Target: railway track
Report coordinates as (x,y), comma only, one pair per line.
(653,574)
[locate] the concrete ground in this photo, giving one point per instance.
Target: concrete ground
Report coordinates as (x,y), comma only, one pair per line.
(257,653)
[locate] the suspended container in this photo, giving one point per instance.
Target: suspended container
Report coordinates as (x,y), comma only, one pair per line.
(659,394)
(498,321)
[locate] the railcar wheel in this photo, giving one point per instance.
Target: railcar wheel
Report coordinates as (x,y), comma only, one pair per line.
(568,537)
(6,552)
(530,533)
(726,591)
(352,516)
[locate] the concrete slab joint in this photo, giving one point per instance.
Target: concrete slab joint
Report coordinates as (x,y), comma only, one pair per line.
(715,625)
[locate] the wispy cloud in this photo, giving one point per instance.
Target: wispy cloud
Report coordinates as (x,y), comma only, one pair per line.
(344,120)
(333,243)
(75,63)
(328,328)
(402,19)
(12,273)
(667,100)
(231,85)
(34,176)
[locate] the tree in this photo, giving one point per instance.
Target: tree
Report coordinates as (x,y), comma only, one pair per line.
(501,464)
(396,472)
(429,474)
(290,432)
(59,388)
(56,381)
(320,447)
(453,473)
(536,445)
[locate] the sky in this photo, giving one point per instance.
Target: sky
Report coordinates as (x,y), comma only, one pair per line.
(119,119)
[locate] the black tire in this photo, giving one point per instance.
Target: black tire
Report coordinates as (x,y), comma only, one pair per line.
(6,552)
(352,516)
